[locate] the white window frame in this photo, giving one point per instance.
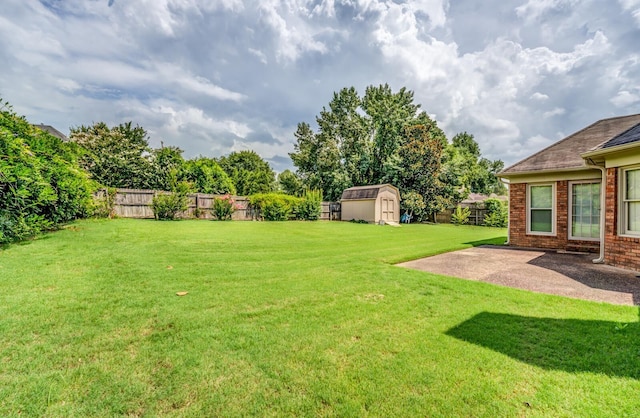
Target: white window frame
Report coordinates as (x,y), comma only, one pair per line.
(553,210)
(570,210)
(622,218)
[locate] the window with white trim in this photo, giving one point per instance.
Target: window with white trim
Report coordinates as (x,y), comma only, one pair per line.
(541,209)
(584,210)
(631,201)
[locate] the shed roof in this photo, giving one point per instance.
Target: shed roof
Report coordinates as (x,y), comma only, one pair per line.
(566,153)
(364,192)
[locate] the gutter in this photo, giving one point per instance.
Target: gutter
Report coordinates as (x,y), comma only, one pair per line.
(603,191)
(507,183)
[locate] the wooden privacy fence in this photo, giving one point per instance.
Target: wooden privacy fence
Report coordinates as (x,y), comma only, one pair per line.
(133,203)
(475,218)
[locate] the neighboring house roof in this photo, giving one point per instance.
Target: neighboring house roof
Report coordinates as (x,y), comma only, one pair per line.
(364,192)
(478,197)
(53,131)
(566,154)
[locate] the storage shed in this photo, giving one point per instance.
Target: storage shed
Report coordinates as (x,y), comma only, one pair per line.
(375,203)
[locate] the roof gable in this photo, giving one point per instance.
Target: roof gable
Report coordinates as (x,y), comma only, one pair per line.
(566,153)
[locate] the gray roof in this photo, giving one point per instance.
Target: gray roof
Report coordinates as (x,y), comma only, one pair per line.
(53,131)
(566,153)
(363,192)
(627,137)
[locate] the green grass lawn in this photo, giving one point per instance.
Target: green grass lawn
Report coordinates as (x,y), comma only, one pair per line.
(294,319)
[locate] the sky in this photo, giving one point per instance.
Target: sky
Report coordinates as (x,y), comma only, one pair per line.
(217,76)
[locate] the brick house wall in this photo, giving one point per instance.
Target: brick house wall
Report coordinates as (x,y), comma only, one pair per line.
(619,251)
(518,222)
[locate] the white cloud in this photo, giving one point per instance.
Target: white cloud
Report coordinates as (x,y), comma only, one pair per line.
(625,99)
(558,111)
(539,96)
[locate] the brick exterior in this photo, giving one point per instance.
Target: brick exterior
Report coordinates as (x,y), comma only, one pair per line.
(619,251)
(518,222)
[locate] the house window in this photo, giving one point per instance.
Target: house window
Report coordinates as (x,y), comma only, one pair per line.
(584,205)
(631,201)
(541,213)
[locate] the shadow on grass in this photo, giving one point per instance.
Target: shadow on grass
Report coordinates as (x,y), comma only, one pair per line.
(490,241)
(570,345)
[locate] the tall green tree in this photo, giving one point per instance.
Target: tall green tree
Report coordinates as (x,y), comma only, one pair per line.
(117,156)
(472,172)
(206,176)
(167,164)
(249,172)
(289,183)
(368,140)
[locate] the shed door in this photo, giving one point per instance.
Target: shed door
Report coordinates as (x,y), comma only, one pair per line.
(388,209)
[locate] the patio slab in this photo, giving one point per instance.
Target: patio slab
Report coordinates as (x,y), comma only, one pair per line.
(565,274)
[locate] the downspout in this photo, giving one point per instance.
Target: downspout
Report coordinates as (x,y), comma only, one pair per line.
(603,192)
(507,183)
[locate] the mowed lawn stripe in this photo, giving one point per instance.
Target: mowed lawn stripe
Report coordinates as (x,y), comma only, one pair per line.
(293,319)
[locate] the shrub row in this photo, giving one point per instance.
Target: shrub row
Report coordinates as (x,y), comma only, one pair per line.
(282,207)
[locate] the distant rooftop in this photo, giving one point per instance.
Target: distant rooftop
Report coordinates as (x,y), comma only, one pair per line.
(53,131)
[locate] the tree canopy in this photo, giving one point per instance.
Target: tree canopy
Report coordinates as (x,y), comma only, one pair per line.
(249,172)
(382,137)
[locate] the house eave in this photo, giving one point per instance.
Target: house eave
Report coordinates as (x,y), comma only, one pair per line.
(542,172)
(602,152)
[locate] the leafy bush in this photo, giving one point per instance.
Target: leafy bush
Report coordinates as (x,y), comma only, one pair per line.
(104,203)
(41,183)
(413,204)
(497,213)
(223,207)
(274,206)
(310,208)
(167,206)
(460,216)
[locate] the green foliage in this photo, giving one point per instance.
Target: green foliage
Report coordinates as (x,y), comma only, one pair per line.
(166,165)
(41,183)
(223,207)
(117,156)
(274,206)
(167,205)
(290,183)
(471,172)
(206,176)
(497,213)
(103,203)
(460,216)
(379,138)
(310,207)
(249,172)
(413,204)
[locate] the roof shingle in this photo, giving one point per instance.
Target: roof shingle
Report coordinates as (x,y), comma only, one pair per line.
(566,153)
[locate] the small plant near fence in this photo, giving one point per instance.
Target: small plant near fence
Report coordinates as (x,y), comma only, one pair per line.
(460,216)
(103,204)
(497,213)
(167,206)
(223,208)
(310,207)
